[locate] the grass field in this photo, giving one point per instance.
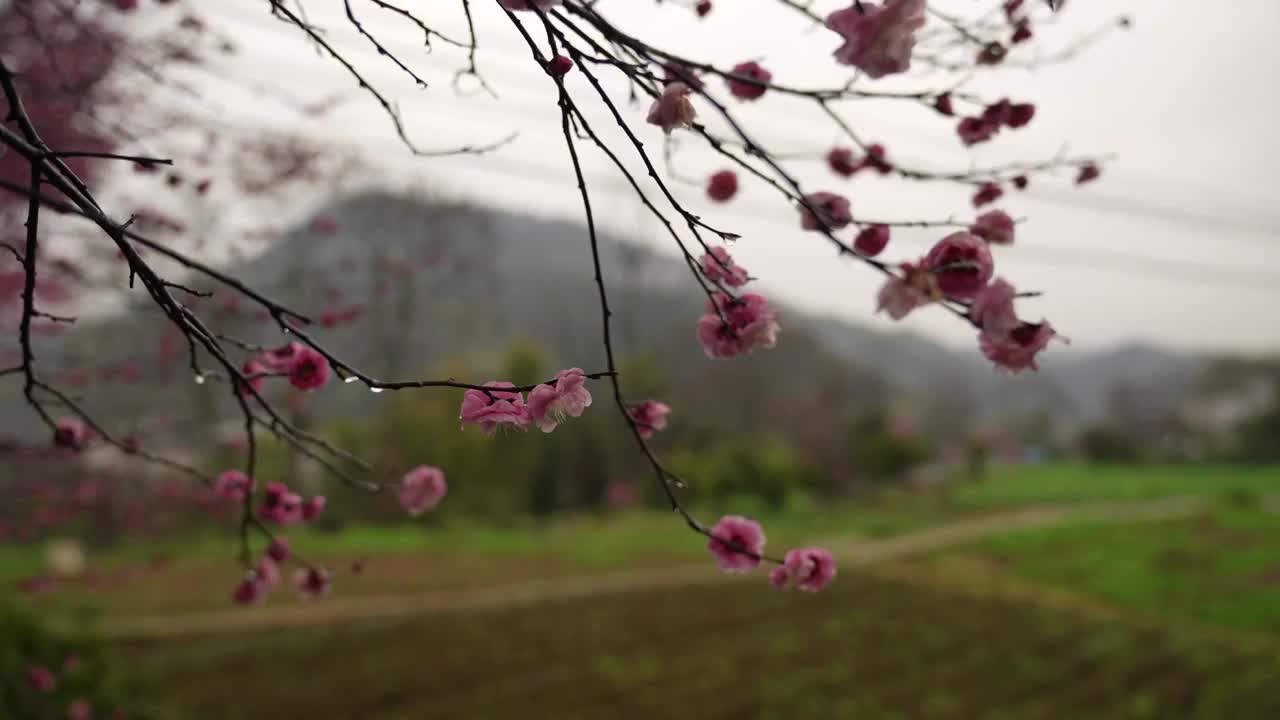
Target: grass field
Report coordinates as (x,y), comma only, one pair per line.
(1221,568)
(868,648)
(872,646)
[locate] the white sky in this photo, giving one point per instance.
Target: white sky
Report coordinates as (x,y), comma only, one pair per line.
(1187,99)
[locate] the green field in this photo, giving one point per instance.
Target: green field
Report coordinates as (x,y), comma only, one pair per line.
(869,648)
(1081,618)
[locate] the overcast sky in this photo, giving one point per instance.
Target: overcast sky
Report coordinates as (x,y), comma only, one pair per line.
(1178,244)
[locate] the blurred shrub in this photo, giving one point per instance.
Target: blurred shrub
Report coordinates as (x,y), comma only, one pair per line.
(45,675)
(1109,445)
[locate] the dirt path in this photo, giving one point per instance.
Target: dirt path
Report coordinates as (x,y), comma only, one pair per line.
(850,553)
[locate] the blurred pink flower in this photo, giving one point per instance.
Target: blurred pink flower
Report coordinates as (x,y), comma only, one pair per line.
(744,89)
(422,489)
(994,226)
(41,679)
(961,264)
(992,309)
(718,266)
(1016,350)
(312,582)
(751,324)
(737,543)
(809,569)
(833,211)
(649,417)
(308,370)
(232,485)
(672,108)
(878,39)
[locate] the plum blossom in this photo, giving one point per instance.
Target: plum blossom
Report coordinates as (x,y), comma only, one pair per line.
(649,417)
(878,39)
(267,573)
(974,130)
(312,582)
(742,88)
(279,505)
(992,309)
(560,65)
(722,185)
(255,373)
(1088,173)
(810,569)
(232,485)
(278,549)
(902,294)
(41,679)
(672,108)
(733,326)
(871,241)
(842,162)
(833,211)
(308,370)
(422,489)
(249,592)
(568,395)
(312,508)
(994,226)
(961,264)
(70,433)
(987,194)
(79,709)
(718,266)
(737,543)
(281,359)
(1017,349)
(492,408)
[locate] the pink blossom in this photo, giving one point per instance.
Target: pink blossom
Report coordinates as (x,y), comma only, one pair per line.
(312,508)
(1021,32)
(529,4)
(70,433)
(744,89)
(987,194)
(279,505)
(492,408)
(878,39)
(249,592)
(878,159)
(833,211)
(872,240)
(994,226)
(718,266)
(722,186)
(1088,173)
(422,489)
(41,679)
(568,395)
(312,582)
(842,162)
(702,8)
(943,104)
(281,359)
(779,576)
(748,323)
(1016,350)
(79,710)
(308,370)
(737,543)
(232,485)
(560,65)
(278,549)
(649,417)
(675,72)
(902,294)
(974,130)
(267,573)
(672,108)
(992,309)
(251,369)
(961,263)
(1020,114)
(809,569)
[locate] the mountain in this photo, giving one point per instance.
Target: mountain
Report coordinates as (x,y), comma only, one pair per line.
(438,281)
